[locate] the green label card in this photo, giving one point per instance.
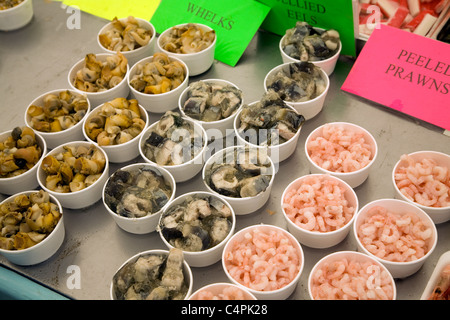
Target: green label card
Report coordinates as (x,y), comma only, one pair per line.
(326,14)
(234,21)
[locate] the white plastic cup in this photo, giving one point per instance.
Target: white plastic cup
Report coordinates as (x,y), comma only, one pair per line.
(350,256)
(135,55)
(277,153)
(187,170)
(161,102)
(73,133)
(187,272)
(82,198)
(328,65)
(26,180)
(119,153)
(437,214)
(16,17)
(281,293)
(209,256)
(315,239)
(308,109)
(147,224)
(42,250)
(355,178)
(241,206)
(397,269)
(212,128)
(98,98)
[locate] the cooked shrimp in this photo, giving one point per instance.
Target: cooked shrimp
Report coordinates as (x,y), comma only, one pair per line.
(394,237)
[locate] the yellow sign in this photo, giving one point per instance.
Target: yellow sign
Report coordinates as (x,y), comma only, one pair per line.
(108,9)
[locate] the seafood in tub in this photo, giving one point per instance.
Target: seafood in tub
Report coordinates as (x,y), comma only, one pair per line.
(423,181)
(27,220)
(99,76)
(241,173)
(19,152)
(264,258)
(222,291)
(209,101)
(73,169)
(125,35)
(137,192)
(297,82)
(8,4)
(160,75)
(189,38)
(305,43)
(340,149)
(349,275)
(173,141)
(401,236)
(198,223)
(58,112)
(153,276)
(115,122)
(269,121)
(318,204)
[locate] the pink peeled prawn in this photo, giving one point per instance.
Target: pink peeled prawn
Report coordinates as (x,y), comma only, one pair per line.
(340,150)
(263,261)
(346,279)
(318,205)
(424,182)
(394,237)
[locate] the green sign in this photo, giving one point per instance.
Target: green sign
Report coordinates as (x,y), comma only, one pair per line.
(234,21)
(326,14)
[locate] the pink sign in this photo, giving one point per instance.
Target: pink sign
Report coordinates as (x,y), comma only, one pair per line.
(405,72)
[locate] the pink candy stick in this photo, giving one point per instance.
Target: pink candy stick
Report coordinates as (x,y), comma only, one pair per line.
(388,7)
(397,19)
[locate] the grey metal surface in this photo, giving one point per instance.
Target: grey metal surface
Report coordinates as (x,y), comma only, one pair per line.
(37,59)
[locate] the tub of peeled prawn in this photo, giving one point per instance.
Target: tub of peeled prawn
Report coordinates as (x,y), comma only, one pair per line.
(264,259)
(397,233)
(344,150)
(319,209)
(423,179)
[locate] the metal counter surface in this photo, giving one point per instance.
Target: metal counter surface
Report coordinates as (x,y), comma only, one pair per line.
(37,59)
